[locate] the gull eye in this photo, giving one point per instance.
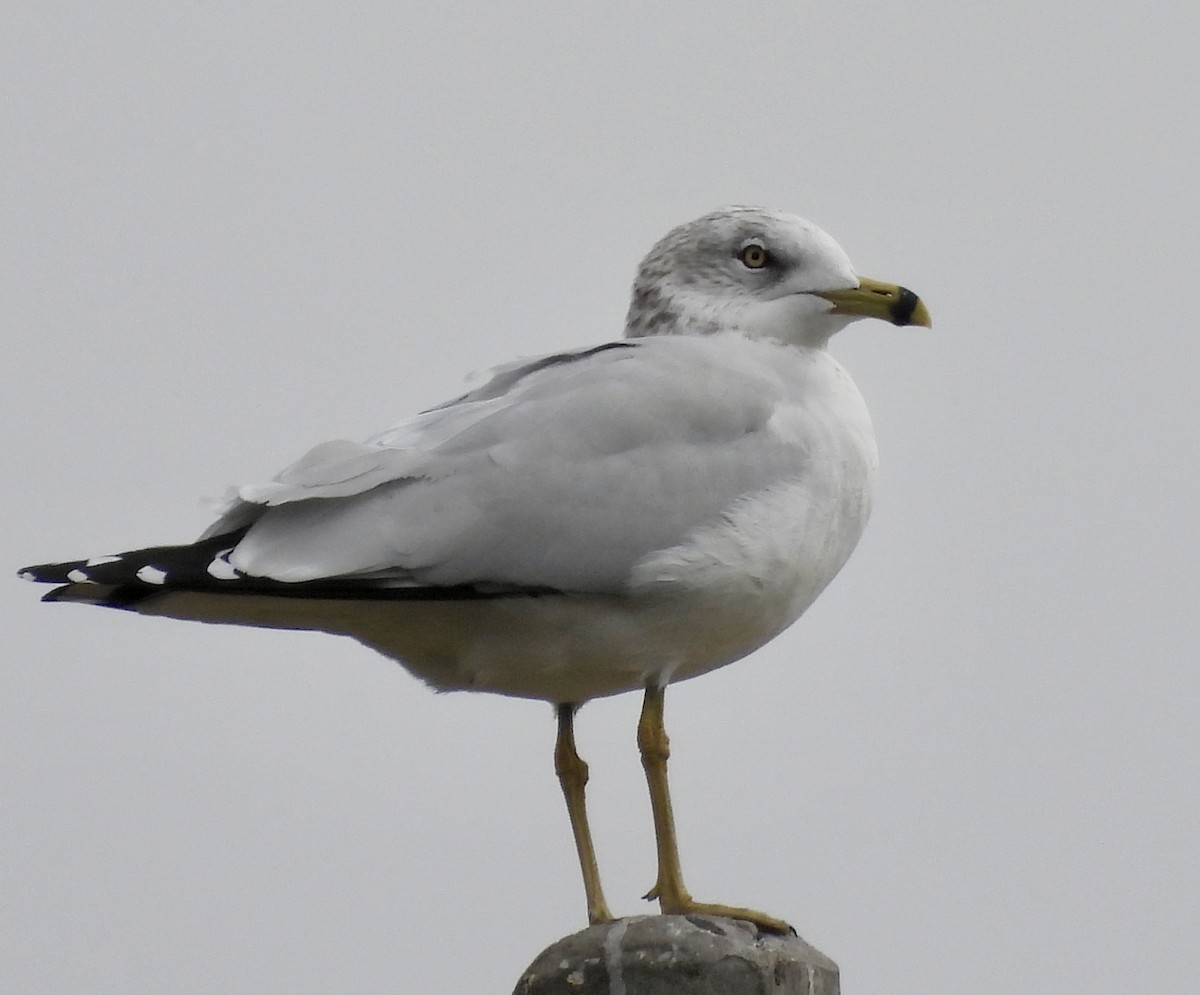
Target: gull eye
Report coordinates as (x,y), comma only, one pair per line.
(754,256)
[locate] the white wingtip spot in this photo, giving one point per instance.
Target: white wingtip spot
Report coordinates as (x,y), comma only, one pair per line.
(221,568)
(151,575)
(97,561)
(27,575)
(79,577)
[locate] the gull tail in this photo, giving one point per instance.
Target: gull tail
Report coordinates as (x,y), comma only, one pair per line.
(196,582)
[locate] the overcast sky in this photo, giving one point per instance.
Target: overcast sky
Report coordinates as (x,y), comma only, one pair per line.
(234,230)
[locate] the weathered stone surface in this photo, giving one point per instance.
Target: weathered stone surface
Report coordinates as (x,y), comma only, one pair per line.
(679,955)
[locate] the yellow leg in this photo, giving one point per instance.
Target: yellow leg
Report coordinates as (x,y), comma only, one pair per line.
(573,776)
(673,897)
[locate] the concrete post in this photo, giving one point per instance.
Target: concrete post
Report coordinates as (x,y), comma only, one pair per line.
(679,955)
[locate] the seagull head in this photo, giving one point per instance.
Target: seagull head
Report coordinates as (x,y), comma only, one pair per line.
(763,273)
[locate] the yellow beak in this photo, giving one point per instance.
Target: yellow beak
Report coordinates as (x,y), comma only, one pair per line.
(874,299)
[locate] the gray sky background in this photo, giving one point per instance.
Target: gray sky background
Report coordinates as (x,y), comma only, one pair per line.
(235,230)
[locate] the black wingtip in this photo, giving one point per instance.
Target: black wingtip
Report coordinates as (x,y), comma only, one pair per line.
(49,573)
(151,566)
(128,579)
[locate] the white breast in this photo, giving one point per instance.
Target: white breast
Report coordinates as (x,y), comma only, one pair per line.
(773,552)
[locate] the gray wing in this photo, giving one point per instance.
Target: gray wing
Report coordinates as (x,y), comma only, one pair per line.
(558,473)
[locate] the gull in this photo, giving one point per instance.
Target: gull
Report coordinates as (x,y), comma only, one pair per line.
(608,519)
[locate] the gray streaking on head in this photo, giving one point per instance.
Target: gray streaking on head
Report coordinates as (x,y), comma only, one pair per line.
(597,521)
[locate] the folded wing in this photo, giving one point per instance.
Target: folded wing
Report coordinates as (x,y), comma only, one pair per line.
(560,473)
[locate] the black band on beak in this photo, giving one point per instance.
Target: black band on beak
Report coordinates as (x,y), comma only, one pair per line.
(901,311)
